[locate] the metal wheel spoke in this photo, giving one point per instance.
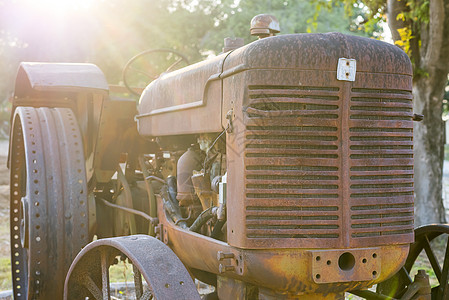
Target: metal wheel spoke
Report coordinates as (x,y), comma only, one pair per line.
(444,286)
(405,274)
(90,285)
(432,258)
(147,295)
(138,282)
(105,276)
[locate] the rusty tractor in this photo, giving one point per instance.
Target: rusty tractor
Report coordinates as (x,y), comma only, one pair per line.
(281,169)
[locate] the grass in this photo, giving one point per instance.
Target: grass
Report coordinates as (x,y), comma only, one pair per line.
(5,273)
(121,272)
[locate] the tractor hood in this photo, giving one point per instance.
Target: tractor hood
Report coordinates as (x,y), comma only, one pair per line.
(190,100)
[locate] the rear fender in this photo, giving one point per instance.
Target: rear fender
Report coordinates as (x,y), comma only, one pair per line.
(80,87)
(38,79)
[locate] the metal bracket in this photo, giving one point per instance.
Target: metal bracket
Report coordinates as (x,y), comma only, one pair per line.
(229,117)
(343,265)
(346,69)
(165,235)
(230,262)
(161,233)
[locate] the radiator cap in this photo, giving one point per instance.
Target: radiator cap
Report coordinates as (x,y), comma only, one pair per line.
(264,25)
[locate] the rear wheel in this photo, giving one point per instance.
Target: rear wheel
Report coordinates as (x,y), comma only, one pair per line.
(48,200)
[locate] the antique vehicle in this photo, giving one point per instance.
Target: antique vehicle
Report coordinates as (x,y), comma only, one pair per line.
(280,169)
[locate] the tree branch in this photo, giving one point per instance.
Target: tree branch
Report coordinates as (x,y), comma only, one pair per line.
(415,48)
(425,40)
(436,28)
(394,7)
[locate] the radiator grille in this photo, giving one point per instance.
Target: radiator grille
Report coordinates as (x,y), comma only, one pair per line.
(381,163)
(292,163)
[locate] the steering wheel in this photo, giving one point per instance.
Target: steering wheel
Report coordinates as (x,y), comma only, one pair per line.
(149,65)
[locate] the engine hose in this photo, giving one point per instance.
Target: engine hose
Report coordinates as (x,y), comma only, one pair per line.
(154,221)
(217,229)
(203,218)
(156,179)
(172,209)
(172,189)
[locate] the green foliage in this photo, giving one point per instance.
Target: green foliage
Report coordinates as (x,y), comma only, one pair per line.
(417,12)
(364,16)
(414,18)
(294,17)
(406,36)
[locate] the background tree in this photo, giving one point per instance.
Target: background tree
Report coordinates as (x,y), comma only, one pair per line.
(422,28)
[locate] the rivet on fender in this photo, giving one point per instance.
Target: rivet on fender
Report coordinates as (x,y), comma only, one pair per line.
(346,69)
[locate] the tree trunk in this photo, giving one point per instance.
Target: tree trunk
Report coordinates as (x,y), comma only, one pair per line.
(428,153)
(429,52)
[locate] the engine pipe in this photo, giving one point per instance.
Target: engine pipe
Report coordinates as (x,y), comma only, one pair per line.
(205,216)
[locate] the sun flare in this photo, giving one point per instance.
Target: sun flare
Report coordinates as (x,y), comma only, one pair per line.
(57,6)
